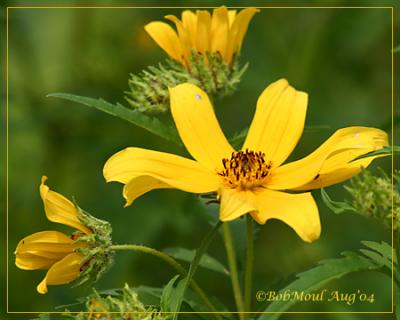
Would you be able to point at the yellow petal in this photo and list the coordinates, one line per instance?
(183, 37)
(299, 211)
(59, 209)
(231, 17)
(189, 21)
(51, 245)
(178, 172)
(203, 31)
(62, 272)
(239, 29)
(28, 261)
(198, 126)
(296, 174)
(166, 38)
(139, 186)
(278, 122)
(220, 31)
(235, 203)
(339, 168)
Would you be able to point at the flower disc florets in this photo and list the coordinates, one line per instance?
(245, 169)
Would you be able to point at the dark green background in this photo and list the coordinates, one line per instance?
(341, 57)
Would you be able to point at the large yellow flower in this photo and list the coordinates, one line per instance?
(53, 250)
(222, 32)
(250, 180)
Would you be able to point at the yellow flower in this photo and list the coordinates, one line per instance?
(250, 180)
(222, 32)
(53, 250)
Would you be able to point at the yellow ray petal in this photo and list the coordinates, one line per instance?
(178, 172)
(183, 36)
(238, 30)
(203, 31)
(189, 21)
(59, 209)
(62, 272)
(139, 186)
(231, 17)
(198, 126)
(299, 211)
(28, 261)
(166, 38)
(235, 203)
(301, 172)
(278, 122)
(220, 31)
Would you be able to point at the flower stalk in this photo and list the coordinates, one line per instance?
(248, 276)
(173, 263)
(230, 252)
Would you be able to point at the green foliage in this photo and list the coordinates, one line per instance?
(139, 119)
(372, 197)
(148, 91)
(327, 270)
(335, 206)
(206, 260)
(174, 295)
(389, 150)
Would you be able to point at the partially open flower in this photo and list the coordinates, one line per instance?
(67, 258)
(220, 33)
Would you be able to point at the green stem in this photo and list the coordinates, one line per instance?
(396, 245)
(249, 264)
(173, 263)
(230, 252)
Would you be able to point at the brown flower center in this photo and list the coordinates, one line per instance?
(245, 169)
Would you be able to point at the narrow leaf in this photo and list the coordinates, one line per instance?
(139, 119)
(317, 277)
(381, 152)
(335, 206)
(206, 261)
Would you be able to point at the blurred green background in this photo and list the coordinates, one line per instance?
(341, 57)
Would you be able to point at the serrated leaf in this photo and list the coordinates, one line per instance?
(139, 119)
(381, 152)
(168, 300)
(335, 206)
(206, 261)
(318, 276)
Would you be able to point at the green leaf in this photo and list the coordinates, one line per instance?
(168, 301)
(139, 119)
(318, 276)
(335, 206)
(384, 151)
(206, 261)
(397, 49)
(176, 295)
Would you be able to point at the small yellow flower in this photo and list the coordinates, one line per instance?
(54, 250)
(250, 180)
(222, 32)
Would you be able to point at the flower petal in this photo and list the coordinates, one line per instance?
(176, 171)
(220, 31)
(203, 31)
(139, 186)
(297, 174)
(231, 17)
(28, 261)
(238, 30)
(189, 21)
(52, 245)
(278, 122)
(62, 272)
(235, 203)
(299, 211)
(166, 37)
(183, 36)
(59, 209)
(198, 126)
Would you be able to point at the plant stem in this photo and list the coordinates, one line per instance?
(173, 263)
(248, 276)
(230, 252)
(396, 245)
